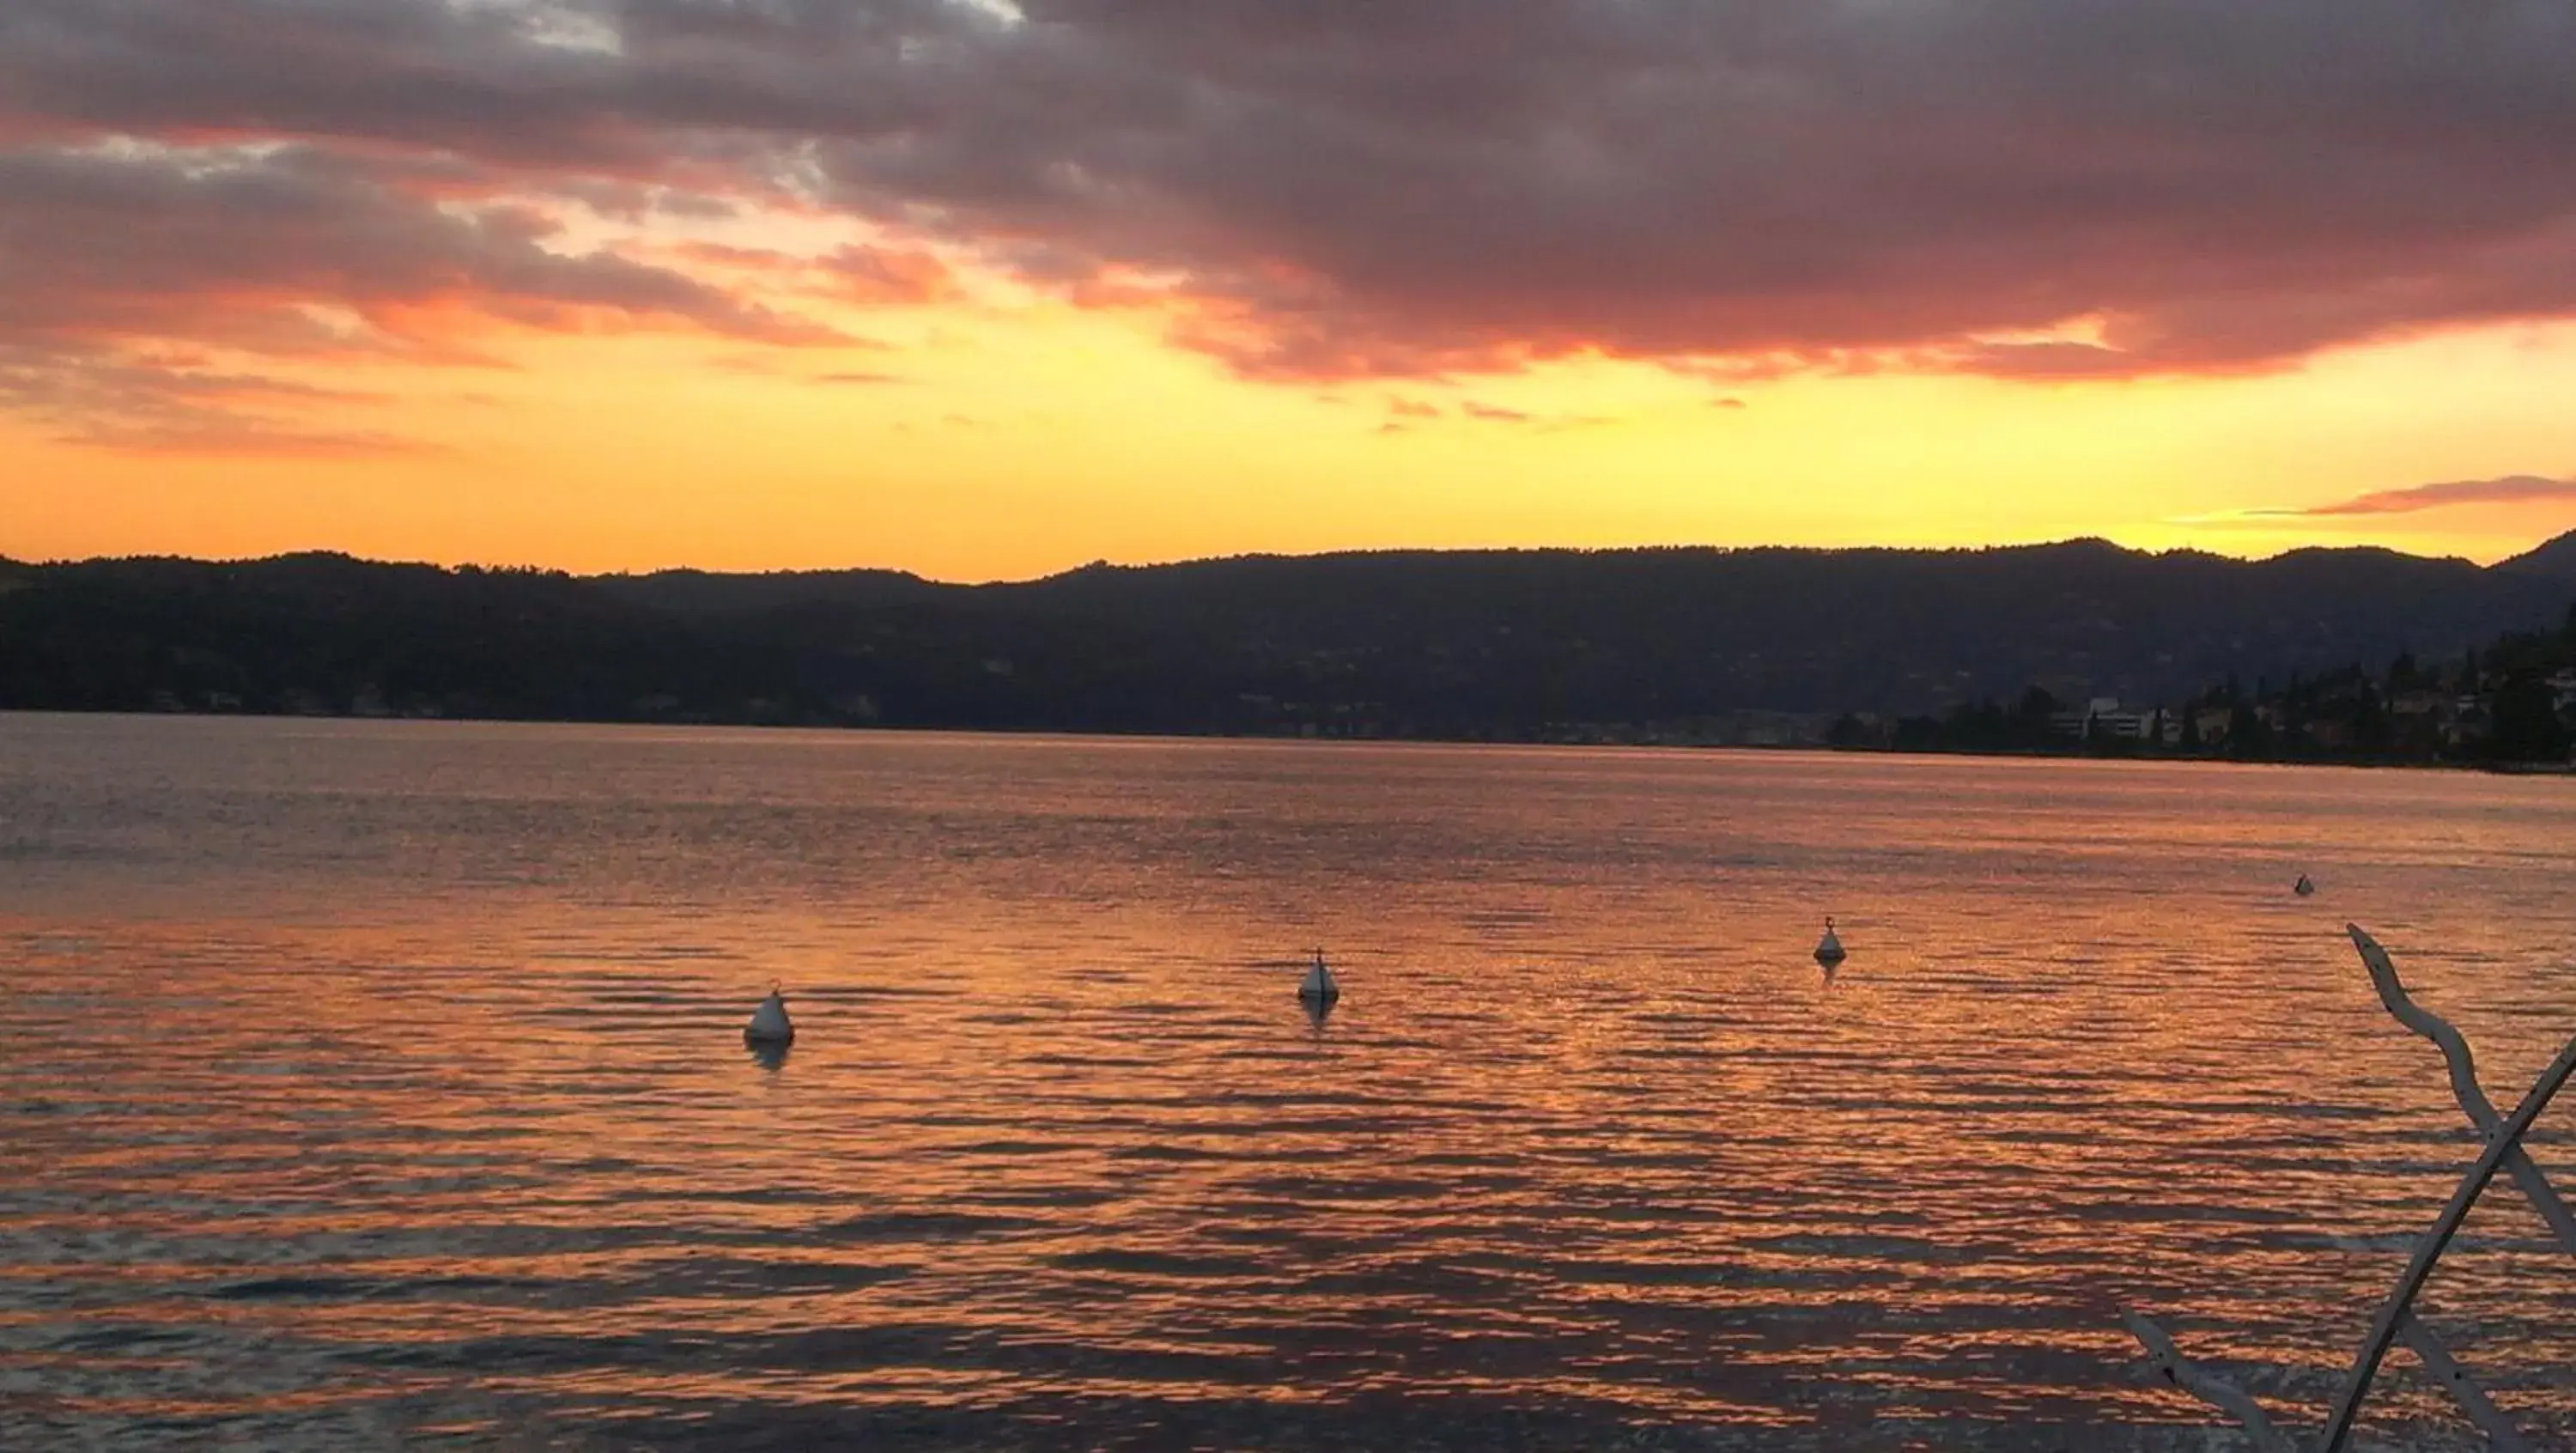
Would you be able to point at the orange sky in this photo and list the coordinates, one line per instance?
(608, 341)
(1004, 444)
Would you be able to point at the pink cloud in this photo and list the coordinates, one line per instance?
(2508, 490)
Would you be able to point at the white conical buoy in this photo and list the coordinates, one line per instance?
(2303, 887)
(769, 1022)
(1319, 987)
(1829, 951)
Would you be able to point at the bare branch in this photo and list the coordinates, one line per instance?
(2526, 1175)
(2428, 1349)
(2429, 1247)
(2208, 1387)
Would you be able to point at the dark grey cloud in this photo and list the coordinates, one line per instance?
(126, 267)
(2510, 489)
(1444, 187)
(229, 246)
(1428, 188)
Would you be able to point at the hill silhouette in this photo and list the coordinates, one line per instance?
(1419, 643)
(2552, 559)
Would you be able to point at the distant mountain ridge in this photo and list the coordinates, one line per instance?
(2552, 559)
(710, 593)
(1414, 643)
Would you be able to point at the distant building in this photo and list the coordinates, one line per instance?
(2103, 720)
(1749, 728)
(2124, 726)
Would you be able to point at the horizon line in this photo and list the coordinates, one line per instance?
(458, 566)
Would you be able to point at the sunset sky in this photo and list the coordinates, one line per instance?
(983, 289)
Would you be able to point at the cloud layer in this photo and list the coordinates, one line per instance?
(2512, 489)
(1323, 190)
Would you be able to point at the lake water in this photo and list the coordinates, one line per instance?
(380, 1084)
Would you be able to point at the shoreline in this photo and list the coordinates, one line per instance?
(1591, 742)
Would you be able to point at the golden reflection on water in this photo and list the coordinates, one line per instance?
(379, 1084)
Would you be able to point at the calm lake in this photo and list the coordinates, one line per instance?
(382, 1084)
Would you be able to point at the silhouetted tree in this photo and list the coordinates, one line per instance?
(2526, 727)
(2037, 706)
(2371, 732)
(2249, 737)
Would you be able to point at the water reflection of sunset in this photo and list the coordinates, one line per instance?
(395, 1081)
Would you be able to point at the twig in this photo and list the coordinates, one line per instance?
(2210, 1388)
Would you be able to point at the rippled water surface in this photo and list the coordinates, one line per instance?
(382, 1085)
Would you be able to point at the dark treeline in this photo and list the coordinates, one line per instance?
(2512, 702)
(1683, 645)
